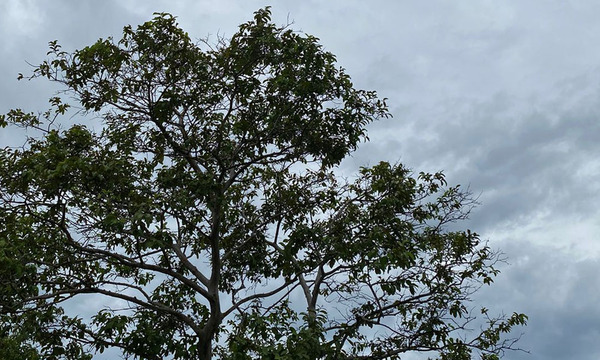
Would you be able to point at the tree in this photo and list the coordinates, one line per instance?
(207, 205)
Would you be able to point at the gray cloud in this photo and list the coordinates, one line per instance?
(503, 96)
(559, 292)
(525, 156)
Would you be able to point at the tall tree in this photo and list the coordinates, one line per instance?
(208, 212)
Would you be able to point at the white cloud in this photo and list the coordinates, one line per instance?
(19, 18)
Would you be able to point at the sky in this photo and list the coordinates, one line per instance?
(503, 96)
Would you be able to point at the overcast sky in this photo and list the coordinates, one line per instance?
(504, 96)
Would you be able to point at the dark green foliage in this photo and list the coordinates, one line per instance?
(208, 206)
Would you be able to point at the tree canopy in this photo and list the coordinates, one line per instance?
(207, 215)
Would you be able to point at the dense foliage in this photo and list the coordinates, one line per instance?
(207, 216)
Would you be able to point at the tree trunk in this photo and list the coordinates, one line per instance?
(205, 347)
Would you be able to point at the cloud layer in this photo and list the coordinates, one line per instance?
(503, 96)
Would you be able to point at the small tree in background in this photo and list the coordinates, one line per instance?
(208, 206)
